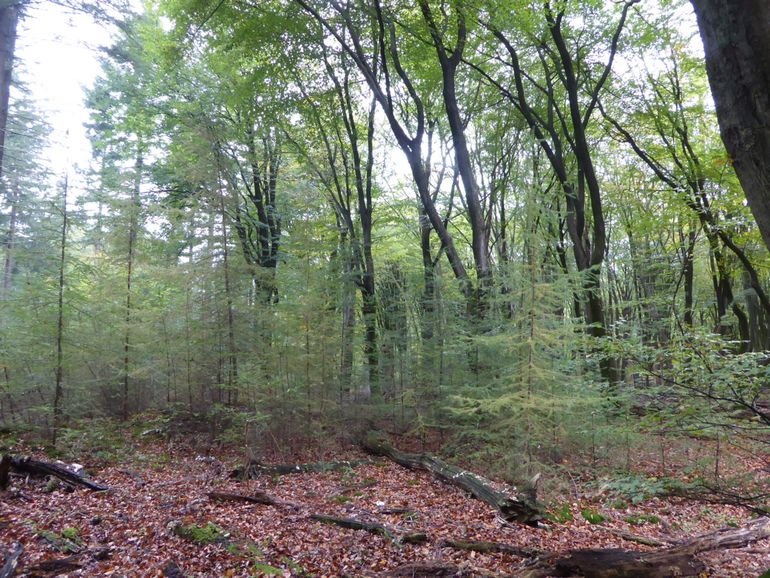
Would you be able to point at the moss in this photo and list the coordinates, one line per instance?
(592, 516)
(201, 535)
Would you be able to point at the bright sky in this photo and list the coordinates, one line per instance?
(58, 53)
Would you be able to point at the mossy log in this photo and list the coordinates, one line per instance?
(490, 547)
(437, 570)
(256, 469)
(257, 497)
(26, 465)
(391, 534)
(513, 508)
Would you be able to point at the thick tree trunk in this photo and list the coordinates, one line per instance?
(736, 39)
(520, 508)
(9, 17)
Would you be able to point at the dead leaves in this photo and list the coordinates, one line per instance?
(130, 523)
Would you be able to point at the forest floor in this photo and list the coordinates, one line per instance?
(127, 531)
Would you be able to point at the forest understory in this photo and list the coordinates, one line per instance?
(170, 510)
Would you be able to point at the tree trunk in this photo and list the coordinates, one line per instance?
(9, 17)
(736, 40)
(133, 225)
(10, 243)
(57, 398)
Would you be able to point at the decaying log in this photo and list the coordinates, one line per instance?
(725, 538)
(5, 470)
(618, 563)
(374, 528)
(9, 568)
(678, 560)
(437, 570)
(26, 465)
(256, 498)
(513, 508)
(56, 565)
(490, 547)
(256, 469)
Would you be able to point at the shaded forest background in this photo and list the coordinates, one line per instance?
(508, 228)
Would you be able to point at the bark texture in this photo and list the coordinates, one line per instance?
(736, 40)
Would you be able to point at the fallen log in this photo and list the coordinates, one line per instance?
(257, 498)
(437, 570)
(678, 560)
(374, 528)
(57, 566)
(616, 563)
(27, 465)
(9, 568)
(256, 469)
(522, 508)
(5, 469)
(490, 547)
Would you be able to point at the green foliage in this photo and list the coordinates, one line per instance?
(561, 514)
(266, 570)
(637, 489)
(592, 516)
(201, 535)
(67, 541)
(642, 519)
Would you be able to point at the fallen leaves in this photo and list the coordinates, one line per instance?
(129, 524)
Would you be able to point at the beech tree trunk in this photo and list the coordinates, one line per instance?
(736, 40)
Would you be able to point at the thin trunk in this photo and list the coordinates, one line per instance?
(132, 235)
(58, 390)
(10, 243)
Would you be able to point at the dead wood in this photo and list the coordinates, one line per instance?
(9, 568)
(490, 547)
(618, 563)
(56, 565)
(26, 465)
(5, 470)
(725, 538)
(522, 508)
(437, 570)
(256, 498)
(255, 469)
(678, 560)
(391, 534)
